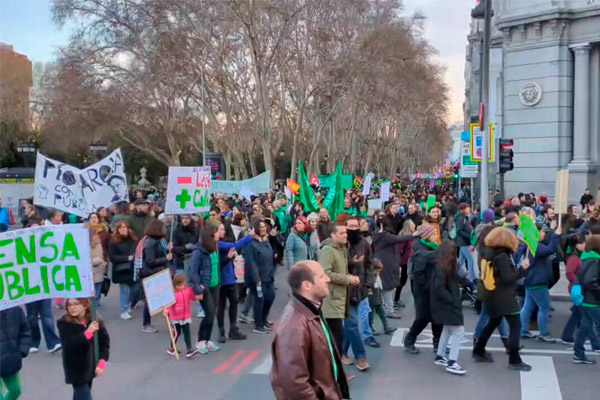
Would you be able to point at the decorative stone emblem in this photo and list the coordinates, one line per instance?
(530, 93)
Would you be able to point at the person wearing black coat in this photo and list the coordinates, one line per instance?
(421, 265)
(76, 330)
(446, 306)
(385, 249)
(15, 341)
(501, 301)
(121, 251)
(185, 239)
(155, 259)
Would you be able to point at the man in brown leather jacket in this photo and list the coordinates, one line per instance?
(306, 363)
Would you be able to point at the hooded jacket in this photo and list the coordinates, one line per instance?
(589, 279)
(540, 269)
(386, 250)
(227, 269)
(334, 260)
(15, 340)
(260, 266)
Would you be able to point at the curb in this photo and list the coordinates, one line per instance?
(560, 297)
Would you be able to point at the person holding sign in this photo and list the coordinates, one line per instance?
(77, 330)
(180, 314)
(155, 259)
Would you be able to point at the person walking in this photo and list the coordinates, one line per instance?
(185, 239)
(385, 248)
(297, 243)
(446, 307)
(422, 265)
(121, 251)
(76, 330)
(155, 259)
(499, 295)
(98, 265)
(15, 341)
(180, 315)
(405, 251)
(204, 277)
(306, 363)
(260, 275)
(463, 240)
(42, 310)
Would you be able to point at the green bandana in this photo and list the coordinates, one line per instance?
(431, 245)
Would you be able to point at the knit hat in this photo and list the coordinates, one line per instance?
(488, 216)
(312, 217)
(426, 231)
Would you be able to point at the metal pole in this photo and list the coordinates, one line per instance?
(203, 116)
(485, 70)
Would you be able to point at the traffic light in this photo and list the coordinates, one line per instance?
(506, 155)
(456, 171)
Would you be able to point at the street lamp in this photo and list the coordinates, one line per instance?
(99, 149)
(229, 38)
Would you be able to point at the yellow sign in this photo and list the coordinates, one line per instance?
(475, 143)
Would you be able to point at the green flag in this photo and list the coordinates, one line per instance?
(430, 202)
(529, 232)
(307, 194)
(334, 202)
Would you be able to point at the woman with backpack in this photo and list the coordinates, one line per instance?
(500, 275)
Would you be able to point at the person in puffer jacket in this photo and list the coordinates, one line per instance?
(536, 285)
(15, 341)
(589, 279)
(180, 314)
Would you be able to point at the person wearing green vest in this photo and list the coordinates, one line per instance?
(282, 216)
(589, 279)
(303, 335)
(349, 208)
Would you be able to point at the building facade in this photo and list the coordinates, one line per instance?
(544, 90)
(16, 79)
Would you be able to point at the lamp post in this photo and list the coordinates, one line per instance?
(98, 149)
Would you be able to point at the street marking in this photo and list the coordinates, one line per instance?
(427, 343)
(224, 366)
(264, 367)
(541, 382)
(249, 358)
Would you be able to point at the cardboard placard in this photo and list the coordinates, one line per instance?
(188, 190)
(158, 289)
(561, 194)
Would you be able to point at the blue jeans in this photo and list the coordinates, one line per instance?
(98, 293)
(352, 335)
(541, 298)
(483, 320)
(82, 391)
(465, 256)
(364, 309)
(568, 334)
(125, 292)
(262, 305)
(589, 317)
(43, 310)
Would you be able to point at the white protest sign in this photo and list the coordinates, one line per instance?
(58, 185)
(247, 193)
(367, 185)
(80, 192)
(385, 191)
(374, 204)
(158, 289)
(188, 190)
(105, 182)
(45, 262)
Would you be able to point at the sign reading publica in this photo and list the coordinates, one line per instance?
(44, 262)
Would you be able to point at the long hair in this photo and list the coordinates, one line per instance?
(88, 310)
(207, 238)
(406, 227)
(446, 259)
(155, 229)
(117, 238)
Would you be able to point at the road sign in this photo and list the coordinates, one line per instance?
(468, 168)
(476, 140)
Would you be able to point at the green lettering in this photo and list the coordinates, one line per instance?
(69, 248)
(44, 275)
(72, 278)
(1, 286)
(13, 286)
(23, 253)
(43, 245)
(28, 290)
(3, 243)
(57, 285)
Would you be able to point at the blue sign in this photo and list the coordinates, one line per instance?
(465, 136)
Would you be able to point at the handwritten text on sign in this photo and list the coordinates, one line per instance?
(44, 262)
(188, 190)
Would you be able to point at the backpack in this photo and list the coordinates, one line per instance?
(487, 275)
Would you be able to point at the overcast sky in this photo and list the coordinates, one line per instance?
(446, 28)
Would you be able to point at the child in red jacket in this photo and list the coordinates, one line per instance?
(180, 314)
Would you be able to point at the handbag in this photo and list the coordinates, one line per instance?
(105, 286)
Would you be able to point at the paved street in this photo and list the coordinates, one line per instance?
(139, 367)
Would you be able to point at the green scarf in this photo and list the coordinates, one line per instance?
(214, 269)
(590, 255)
(431, 245)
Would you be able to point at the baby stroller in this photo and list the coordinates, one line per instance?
(469, 293)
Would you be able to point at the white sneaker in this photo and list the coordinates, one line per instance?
(455, 369)
(33, 350)
(200, 314)
(126, 316)
(211, 346)
(56, 348)
(149, 329)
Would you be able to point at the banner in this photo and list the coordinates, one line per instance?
(188, 190)
(45, 262)
(259, 184)
(76, 191)
(367, 185)
(328, 181)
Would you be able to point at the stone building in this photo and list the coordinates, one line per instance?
(544, 90)
(16, 79)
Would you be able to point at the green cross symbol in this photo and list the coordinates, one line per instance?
(183, 198)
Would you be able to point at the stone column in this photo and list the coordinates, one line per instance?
(581, 105)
